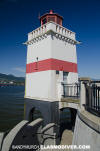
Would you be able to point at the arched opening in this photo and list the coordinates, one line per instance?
(34, 114)
(73, 117)
(67, 124)
(65, 120)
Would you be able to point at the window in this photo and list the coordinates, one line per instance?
(51, 19)
(58, 20)
(57, 72)
(44, 21)
(65, 74)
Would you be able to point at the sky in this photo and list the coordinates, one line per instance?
(19, 17)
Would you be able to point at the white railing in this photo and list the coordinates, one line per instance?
(51, 26)
(71, 90)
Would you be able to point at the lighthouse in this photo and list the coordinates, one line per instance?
(51, 63)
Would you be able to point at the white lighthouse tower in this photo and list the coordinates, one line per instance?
(51, 62)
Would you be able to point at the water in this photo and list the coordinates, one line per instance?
(11, 106)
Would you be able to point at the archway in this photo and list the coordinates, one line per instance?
(34, 114)
(67, 123)
(73, 117)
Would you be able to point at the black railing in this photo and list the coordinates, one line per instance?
(71, 90)
(93, 99)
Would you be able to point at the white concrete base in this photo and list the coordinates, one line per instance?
(84, 134)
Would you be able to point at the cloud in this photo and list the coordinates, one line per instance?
(20, 69)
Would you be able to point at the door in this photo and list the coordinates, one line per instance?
(65, 88)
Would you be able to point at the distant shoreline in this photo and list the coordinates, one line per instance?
(12, 85)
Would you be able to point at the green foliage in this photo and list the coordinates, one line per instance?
(8, 78)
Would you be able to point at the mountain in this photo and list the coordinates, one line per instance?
(5, 77)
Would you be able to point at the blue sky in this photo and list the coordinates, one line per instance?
(18, 17)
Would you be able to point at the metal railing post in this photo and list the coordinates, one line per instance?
(82, 95)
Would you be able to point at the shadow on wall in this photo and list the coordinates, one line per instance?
(26, 133)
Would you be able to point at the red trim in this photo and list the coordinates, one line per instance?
(51, 64)
(54, 14)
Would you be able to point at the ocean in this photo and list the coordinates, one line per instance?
(11, 106)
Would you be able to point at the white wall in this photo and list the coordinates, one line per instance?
(38, 84)
(67, 52)
(85, 135)
(40, 49)
(72, 77)
(63, 50)
(43, 85)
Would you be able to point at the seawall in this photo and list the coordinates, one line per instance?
(87, 131)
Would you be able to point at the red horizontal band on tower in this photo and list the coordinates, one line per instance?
(51, 64)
